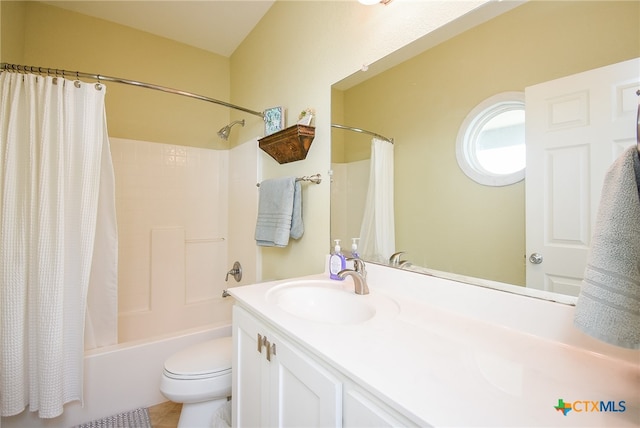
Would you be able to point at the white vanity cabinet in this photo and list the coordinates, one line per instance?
(362, 410)
(275, 384)
(425, 350)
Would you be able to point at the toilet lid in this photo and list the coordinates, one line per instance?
(210, 358)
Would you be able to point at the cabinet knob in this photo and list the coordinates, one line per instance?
(263, 342)
(271, 350)
(260, 343)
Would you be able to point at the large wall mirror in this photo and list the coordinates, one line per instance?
(444, 220)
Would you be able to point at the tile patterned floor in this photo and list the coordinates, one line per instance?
(165, 415)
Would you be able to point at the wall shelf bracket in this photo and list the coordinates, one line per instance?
(289, 145)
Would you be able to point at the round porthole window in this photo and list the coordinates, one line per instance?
(490, 147)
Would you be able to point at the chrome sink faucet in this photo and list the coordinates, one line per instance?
(394, 260)
(359, 274)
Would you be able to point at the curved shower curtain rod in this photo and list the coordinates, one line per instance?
(102, 78)
(362, 131)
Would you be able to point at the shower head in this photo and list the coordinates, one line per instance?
(224, 132)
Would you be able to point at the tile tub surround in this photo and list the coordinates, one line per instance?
(462, 355)
(172, 212)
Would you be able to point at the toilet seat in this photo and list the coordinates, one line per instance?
(201, 361)
(199, 377)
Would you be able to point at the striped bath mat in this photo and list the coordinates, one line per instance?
(138, 418)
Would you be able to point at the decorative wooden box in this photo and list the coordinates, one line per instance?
(290, 144)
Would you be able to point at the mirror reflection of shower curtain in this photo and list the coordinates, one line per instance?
(377, 233)
(54, 163)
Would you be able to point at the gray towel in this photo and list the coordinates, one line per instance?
(608, 307)
(279, 212)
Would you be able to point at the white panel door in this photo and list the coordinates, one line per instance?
(576, 127)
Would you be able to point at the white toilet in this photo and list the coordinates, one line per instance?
(200, 378)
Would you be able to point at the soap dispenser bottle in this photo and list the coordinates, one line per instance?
(337, 262)
(354, 248)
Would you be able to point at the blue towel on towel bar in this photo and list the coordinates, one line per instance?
(608, 307)
(279, 212)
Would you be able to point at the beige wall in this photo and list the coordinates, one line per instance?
(292, 58)
(12, 35)
(57, 38)
(445, 220)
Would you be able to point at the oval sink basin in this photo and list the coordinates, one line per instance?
(322, 301)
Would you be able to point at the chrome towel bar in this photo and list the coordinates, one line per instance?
(315, 179)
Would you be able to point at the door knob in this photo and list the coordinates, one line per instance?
(535, 258)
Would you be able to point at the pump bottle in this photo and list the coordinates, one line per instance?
(354, 248)
(337, 262)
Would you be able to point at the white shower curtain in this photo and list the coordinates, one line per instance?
(54, 156)
(377, 233)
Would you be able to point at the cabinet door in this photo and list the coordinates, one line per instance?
(303, 393)
(287, 389)
(364, 412)
(249, 372)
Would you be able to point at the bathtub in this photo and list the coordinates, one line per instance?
(120, 378)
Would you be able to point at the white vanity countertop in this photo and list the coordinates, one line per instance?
(449, 355)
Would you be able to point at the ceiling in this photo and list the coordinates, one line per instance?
(217, 26)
